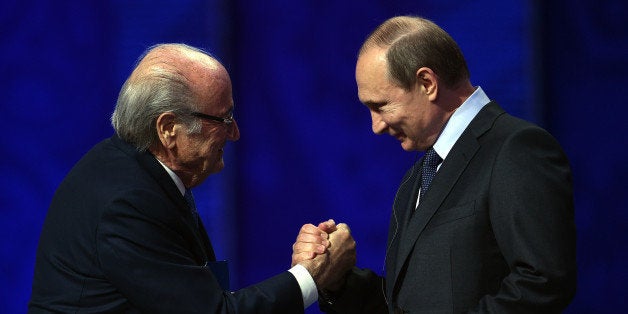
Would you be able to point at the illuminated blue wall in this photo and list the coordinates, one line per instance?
(307, 152)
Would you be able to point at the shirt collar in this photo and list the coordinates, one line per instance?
(174, 177)
(459, 121)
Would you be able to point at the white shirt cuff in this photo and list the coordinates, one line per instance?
(306, 283)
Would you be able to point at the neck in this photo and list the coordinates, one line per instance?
(166, 158)
(463, 91)
(162, 156)
(453, 98)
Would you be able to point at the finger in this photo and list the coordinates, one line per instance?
(300, 247)
(303, 256)
(312, 238)
(308, 237)
(309, 228)
(343, 226)
(328, 226)
(342, 238)
(313, 230)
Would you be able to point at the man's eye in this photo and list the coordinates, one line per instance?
(376, 107)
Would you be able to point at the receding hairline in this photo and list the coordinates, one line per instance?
(401, 26)
(178, 58)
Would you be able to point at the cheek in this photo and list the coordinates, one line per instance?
(212, 150)
(206, 144)
(397, 121)
(198, 153)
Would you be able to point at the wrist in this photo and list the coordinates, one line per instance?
(327, 297)
(330, 294)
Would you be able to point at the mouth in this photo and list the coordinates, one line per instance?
(222, 148)
(399, 136)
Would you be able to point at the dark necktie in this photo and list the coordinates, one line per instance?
(428, 169)
(189, 198)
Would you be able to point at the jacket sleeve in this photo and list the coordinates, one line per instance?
(363, 292)
(532, 215)
(144, 251)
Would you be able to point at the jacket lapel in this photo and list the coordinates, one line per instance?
(402, 209)
(453, 166)
(442, 184)
(202, 245)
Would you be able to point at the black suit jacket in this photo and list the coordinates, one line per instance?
(120, 238)
(495, 232)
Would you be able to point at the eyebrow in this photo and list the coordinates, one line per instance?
(374, 104)
(230, 110)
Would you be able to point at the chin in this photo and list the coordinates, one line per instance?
(217, 166)
(409, 147)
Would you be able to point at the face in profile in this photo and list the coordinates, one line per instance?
(407, 115)
(411, 115)
(200, 154)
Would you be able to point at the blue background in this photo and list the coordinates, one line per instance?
(307, 152)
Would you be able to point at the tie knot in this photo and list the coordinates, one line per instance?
(431, 158)
(428, 169)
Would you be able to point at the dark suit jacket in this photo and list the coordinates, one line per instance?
(494, 233)
(120, 238)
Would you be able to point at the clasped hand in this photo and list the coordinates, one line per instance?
(327, 251)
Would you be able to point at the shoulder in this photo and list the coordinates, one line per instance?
(499, 128)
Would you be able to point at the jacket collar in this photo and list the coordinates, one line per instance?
(152, 166)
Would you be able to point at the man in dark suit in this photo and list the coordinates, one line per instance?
(122, 234)
(484, 222)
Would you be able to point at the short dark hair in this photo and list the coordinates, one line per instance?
(415, 42)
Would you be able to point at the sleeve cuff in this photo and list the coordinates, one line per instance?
(306, 283)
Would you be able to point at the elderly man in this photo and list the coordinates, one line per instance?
(122, 234)
(484, 222)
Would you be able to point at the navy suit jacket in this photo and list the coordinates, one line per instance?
(120, 238)
(495, 232)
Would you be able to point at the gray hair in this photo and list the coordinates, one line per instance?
(144, 98)
(415, 42)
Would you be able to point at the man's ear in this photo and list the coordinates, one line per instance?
(166, 130)
(427, 82)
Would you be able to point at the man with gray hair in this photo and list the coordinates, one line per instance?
(122, 234)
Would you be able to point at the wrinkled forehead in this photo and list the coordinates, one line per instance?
(184, 61)
(212, 89)
(207, 78)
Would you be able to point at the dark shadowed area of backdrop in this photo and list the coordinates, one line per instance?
(307, 152)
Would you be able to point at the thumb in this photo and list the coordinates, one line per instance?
(328, 226)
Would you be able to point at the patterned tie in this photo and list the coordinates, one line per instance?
(428, 169)
(189, 198)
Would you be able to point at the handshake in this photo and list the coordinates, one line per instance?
(327, 251)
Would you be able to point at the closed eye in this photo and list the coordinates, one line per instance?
(375, 106)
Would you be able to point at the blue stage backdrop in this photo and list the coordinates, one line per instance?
(307, 152)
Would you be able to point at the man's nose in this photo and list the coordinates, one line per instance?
(234, 132)
(378, 125)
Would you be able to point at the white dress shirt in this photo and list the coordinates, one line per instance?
(457, 123)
